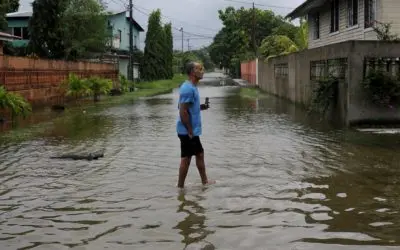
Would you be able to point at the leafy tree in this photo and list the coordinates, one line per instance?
(169, 50)
(84, 28)
(277, 45)
(301, 37)
(46, 28)
(152, 67)
(67, 29)
(13, 5)
(180, 59)
(3, 12)
(204, 55)
(234, 42)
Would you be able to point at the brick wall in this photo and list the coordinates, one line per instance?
(248, 71)
(38, 80)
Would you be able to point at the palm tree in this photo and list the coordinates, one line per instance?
(76, 87)
(98, 86)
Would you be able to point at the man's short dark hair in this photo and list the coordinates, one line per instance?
(190, 67)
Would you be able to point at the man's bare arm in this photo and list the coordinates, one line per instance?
(185, 116)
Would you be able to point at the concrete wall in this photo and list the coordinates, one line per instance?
(38, 80)
(386, 10)
(294, 77)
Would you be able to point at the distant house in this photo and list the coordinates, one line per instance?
(119, 29)
(5, 37)
(18, 26)
(333, 21)
(118, 24)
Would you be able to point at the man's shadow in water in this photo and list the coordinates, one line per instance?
(192, 228)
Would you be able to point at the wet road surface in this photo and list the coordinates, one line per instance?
(284, 181)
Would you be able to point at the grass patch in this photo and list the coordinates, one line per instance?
(162, 84)
(251, 93)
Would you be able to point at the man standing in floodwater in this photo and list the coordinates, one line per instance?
(188, 125)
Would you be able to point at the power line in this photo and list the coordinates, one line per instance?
(259, 4)
(172, 18)
(178, 29)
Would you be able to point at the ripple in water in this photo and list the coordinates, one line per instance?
(281, 183)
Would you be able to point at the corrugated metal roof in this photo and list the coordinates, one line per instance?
(20, 14)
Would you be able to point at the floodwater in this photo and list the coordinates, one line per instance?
(284, 181)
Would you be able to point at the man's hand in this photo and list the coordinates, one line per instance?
(190, 133)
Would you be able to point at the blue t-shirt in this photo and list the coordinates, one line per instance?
(188, 93)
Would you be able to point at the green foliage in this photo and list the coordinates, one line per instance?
(13, 5)
(67, 29)
(154, 65)
(325, 95)
(277, 45)
(301, 37)
(45, 28)
(98, 86)
(7, 6)
(83, 87)
(169, 46)
(203, 56)
(382, 88)
(180, 59)
(233, 42)
(167, 84)
(76, 87)
(84, 25)
(126, 85)
(14, 103)
(383, 32)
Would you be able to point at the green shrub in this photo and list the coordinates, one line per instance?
(14, 103)
(382, 88)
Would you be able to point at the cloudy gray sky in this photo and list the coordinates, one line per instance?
(198, 17)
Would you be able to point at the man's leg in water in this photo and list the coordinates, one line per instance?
(183, 170)
(201, 167)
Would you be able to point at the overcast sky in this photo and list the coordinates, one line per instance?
(199, 17)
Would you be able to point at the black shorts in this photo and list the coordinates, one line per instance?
(190, 147)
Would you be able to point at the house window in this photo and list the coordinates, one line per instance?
(17, 31)
(316, 26)
(370, 11)
(120, 35)
(352, 12)
(334, 16)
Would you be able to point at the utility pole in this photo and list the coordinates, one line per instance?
(181, 30)
(182, 66)
(254, 31)
(130, 67)
(188, 44)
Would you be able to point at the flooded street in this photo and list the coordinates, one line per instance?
(284, 181)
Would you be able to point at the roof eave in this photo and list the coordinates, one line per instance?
(137, 26)
(305, 8)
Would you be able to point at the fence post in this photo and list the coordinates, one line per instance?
(257, 71)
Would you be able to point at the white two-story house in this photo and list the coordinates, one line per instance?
(333, 21)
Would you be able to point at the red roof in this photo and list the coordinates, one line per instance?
(7, 37)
